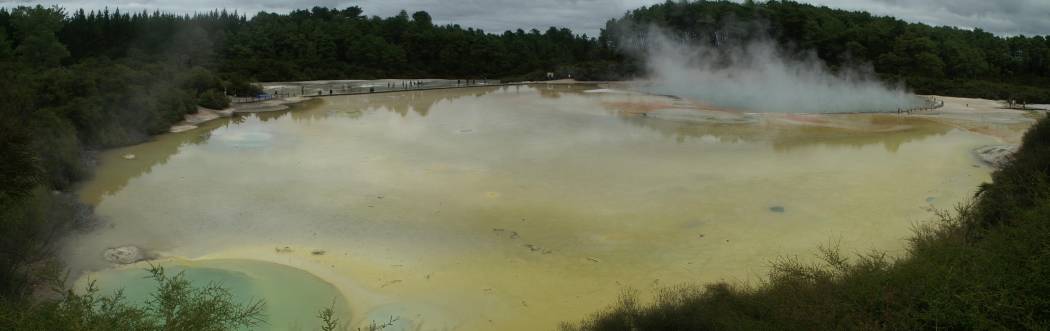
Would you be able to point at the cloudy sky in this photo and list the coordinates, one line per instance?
(1007, 17)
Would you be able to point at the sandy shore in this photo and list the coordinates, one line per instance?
(203, 115)
(987, 117)
(191, 121)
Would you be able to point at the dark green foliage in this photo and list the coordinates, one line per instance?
(24, 256)
(36, 27)
(984, 267)
(20, 167)
(200, 80)
(5, 47)
(239, 86)
(323, 43)
(979, 89)
(53, 108)
(213, 99)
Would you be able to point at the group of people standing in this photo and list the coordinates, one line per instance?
(406, 84)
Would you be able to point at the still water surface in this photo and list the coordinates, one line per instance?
(515, 208)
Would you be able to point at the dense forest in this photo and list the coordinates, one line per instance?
(321, 43)
(324, 43)
(76, 81)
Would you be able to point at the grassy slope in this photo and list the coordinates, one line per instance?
(985, 266)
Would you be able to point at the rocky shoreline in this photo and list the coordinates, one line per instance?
(995, 155)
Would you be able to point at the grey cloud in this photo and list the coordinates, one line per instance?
(1010, 17)
(183, 6)
(582, 16)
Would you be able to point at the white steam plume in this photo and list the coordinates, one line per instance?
(758, 76)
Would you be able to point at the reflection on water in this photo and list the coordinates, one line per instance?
(869, 130)
(517, 207)
(118, 170)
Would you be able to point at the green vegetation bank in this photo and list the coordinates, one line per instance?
(983, 267)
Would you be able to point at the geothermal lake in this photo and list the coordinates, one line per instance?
(511, 208)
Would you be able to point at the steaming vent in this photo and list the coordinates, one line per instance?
(738, 70)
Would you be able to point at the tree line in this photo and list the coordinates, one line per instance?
(323, 43)
(57, 104)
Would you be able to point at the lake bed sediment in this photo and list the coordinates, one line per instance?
(516, 207)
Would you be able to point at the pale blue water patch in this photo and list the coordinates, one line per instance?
(252, 132)
(247, 139)
(292, 297)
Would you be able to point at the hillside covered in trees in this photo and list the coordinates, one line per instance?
(322, 43)
(325, 43)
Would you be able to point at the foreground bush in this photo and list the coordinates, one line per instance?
(175, 305)
(985, 266)
(213, 99)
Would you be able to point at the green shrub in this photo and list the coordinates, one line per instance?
(176, 305)
(213, 99)
(201, 80)
(241, 87)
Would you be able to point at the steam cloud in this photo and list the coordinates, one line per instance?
(759, 76)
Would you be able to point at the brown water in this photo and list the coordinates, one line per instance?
(514, 208)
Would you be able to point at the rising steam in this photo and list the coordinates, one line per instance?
(759, 76)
